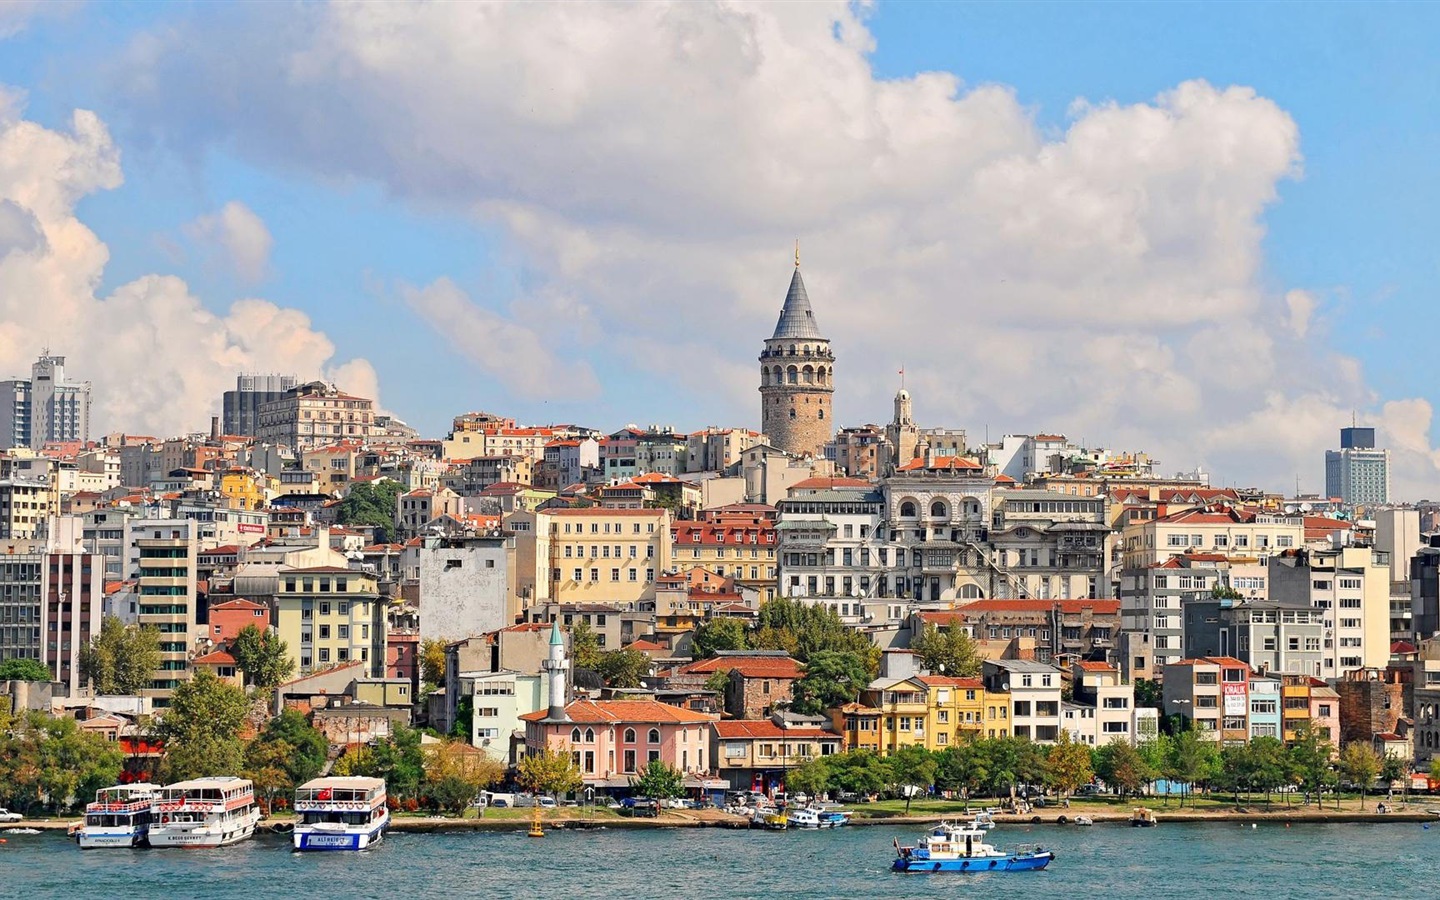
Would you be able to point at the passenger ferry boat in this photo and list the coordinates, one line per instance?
(119, 817)
(962, 848)
(340, 814)
(204, 812)
(812, 817)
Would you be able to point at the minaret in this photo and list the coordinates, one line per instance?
(556, 667)
(797, 377)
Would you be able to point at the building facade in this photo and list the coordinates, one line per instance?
(313, 415)
(331, 616)
(240, 408)
(1359, 472)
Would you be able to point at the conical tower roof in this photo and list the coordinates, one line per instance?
(797, 319)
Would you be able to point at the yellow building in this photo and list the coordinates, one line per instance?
(242, 489)
(859, 725)
(955, 710)
(904, 712)
(329, 616)
(739, 547)
(606, 555)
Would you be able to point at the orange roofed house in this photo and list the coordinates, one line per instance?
(758, 679)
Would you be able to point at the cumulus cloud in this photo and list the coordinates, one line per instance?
(507, 350)
(158, 359)
(239, 235)
(652, 164)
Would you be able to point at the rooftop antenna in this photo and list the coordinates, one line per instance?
(797, 253)
(902, 376)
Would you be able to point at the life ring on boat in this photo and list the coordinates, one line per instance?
(165, 820)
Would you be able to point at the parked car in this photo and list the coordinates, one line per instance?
(546, 803)
(7, 816)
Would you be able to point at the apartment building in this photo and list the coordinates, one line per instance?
(606, 555)
(330, 616)
(163, 557)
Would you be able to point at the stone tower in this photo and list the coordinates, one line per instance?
(797, 378)
(902, 433)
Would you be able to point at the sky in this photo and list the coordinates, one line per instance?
(1202, 231)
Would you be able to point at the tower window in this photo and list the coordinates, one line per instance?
(822, 413)
(792, 413)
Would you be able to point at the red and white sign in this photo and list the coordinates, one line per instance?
(1236, 699)
(249, 528)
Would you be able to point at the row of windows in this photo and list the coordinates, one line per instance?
(619, 528)
(631, 575)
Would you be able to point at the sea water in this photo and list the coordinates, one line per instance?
(1174, 861)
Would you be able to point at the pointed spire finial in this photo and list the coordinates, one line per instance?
(797, 253)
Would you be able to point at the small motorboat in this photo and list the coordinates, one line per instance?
(962, 848)
(770, 818)
(984, 820)
(1143, 818)
(1084, 820)
(816, 817)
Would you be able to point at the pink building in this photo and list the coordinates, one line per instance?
(1325, 710)
(228, 619)
(612, 740)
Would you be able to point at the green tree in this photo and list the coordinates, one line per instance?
(121, 658)
(859, 772)
(1122, 767)
(964, 768)
(262, 656)
(948, 650)
(371, 503)
(201, 728)
(1067, 765)
(432, 662)
(913, 768)
(456, 773)
(464, 718)
(398, 759)
(624, 668)
(812, 776)
(658, 781)
(1225, 592)
(266, 764)
(719, 682)
(1196, 760)
(1269, 764)
(1310, 755)
(48, 761)
(832, 678)
(584, 646)
(1147, 693)
(308, 747)
(720, 633)
(24, 670)
(1393, 769)
(1360, 765)
(550, 771)
(802, 629)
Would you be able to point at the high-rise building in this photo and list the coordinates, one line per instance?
(163, 560)
(315, 415)
(45, 407)
(797, 377)
(1359, 472)
(241, 407)
(49, 609)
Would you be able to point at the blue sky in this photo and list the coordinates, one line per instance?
(1355, 230)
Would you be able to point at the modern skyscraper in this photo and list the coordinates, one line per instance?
(44, 408)
(797, 377)
(241, 407)
(1359, 472)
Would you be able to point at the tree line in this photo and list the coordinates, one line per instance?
(1001, 767)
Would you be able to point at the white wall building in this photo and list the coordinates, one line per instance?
(466, 586)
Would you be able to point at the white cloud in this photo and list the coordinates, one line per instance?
(511, 353)
(158, 359)
(239, 234)
(648, 166)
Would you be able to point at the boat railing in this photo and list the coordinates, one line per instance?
(111, 807)
(337, 805)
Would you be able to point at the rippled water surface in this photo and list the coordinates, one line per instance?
(1108, 861)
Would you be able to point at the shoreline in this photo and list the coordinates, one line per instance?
(434, 824)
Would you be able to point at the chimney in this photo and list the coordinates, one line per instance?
(215, 429)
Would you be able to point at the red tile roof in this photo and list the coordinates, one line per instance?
(748, 666)
(971, 684)
(645, 646)
(215, 658)
(609, 712)
(830, 484)
(1096, 666)
(740, 729)
(237, 603)
(940, 462)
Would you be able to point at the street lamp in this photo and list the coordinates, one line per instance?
(1179, 702)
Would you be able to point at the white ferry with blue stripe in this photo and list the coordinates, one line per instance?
(962, 848)
(119, 817)
(204, 812)
(340, 814)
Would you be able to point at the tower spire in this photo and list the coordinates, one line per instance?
(797, 253)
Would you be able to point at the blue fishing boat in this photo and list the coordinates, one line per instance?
(962, 848)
